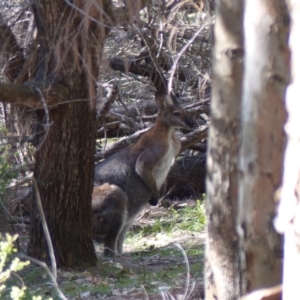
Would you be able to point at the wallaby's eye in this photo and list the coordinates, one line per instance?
(176, 114)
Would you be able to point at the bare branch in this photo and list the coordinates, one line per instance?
(186, 141)
(124, 142)
(19, 94)
(10, 48)
(45, 267)
(24, 94)
(194, 137)
(182, 51)
(113, 93)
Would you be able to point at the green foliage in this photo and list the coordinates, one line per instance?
(6, 171)
(188, 218)
(9, 266)
(12, 285)
(192, 218)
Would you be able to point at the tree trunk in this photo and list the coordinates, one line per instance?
(64, 172)
(222, 158)
(263, 142)
(70, 48)
(288, 218)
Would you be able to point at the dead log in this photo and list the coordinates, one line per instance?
(125, 120)
(187, 141)
(187, 177)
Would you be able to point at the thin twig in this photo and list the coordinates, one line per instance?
(145, 293)
(45, 228)
(150, 53)
(187, 292)
(19, 278)
(173, 69)
(45, 267)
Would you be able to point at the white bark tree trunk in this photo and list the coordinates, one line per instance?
(222, 157)
(263, 142)
(288, 219)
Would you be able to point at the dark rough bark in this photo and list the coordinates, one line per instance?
(64, 166)
(64, 172)
(222, 282)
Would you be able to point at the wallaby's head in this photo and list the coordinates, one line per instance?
(171, 113)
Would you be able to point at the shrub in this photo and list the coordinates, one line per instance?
(9, 265)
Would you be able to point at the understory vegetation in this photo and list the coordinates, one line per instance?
(170, 43)
(163, 254)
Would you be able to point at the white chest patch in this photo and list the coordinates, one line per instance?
(162, 169)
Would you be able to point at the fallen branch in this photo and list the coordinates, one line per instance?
(24, 94)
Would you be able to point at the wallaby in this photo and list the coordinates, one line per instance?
(110, 205)
(135, 176)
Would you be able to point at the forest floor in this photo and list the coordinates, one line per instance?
(163, 259)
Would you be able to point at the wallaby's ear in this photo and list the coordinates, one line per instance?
(163, 101)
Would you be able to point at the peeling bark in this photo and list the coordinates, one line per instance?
(288, 218)
(263, 142)
(221, 262)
